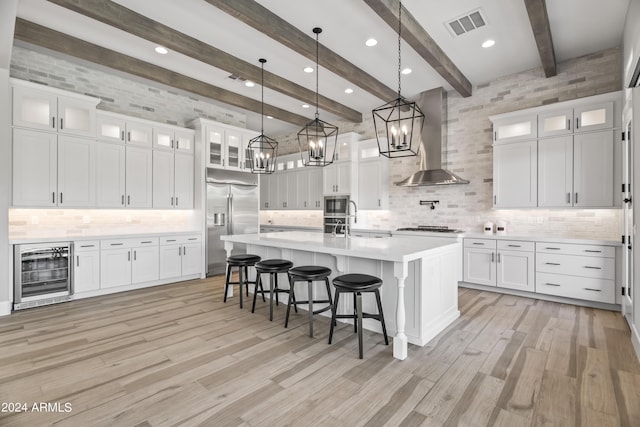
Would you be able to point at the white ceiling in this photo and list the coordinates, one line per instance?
(578, 27)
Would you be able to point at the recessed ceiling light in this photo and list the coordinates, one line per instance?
(406, 71)
(308, 70)
(161, 50)
(269, 117)
(305, 105)
(348, 90)
(488, 43)
(249, 83)
(371, 42)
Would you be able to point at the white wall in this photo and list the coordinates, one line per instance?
(8, 10)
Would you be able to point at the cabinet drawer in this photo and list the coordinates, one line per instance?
(480, 243)
(128, 243)
(576, 287)
(583, 266)
(572, 249)
(179, 240)
(86, 245)
(516, 245)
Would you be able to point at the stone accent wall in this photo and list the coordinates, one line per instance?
(119, 93)
(468, 152)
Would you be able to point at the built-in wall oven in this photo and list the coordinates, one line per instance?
(42, 274)
(336, 211)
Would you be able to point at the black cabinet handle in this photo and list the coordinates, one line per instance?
(552, 284)
(593, 268)
(551, 263)
(592, 251)
(591, 289)
(61, 123)
(514, 246)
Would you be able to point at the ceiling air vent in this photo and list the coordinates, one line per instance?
(236, 78)
(465, 23)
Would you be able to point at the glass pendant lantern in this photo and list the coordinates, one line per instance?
(398, 123)
(318, 139)
(262, 150)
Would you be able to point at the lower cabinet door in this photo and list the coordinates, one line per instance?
(145, 265)
(516, 270)
(191, 259)
(115, 268)
(480, 266)
(86, 272)
(170, 261)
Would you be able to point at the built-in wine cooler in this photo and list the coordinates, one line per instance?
(42, 274)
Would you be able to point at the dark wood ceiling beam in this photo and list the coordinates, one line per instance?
(262, 19)
(120, 17)
(38, 35)
(537, 11)
(418, 38)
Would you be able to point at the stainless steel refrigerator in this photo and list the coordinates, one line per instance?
(232, 208)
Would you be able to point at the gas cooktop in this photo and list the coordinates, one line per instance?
(431, 229)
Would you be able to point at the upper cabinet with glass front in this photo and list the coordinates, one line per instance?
(516, 128)
(582, 118)
(226, 146)
(173, 139)
(113, 127)
(39, 107)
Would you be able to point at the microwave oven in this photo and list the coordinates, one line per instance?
(336, 205)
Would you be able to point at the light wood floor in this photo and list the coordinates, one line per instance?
(176, 355)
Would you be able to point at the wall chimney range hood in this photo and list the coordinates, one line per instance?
(433, 104)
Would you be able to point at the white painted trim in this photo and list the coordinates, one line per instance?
(5, 308)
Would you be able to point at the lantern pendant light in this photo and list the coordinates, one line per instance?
(398, 123)
(318, 139)
(262, 150)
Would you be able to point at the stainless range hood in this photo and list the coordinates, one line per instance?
(433, 104)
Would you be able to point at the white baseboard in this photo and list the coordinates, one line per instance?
(5, 308)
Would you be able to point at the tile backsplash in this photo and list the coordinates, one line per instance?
(42, 223)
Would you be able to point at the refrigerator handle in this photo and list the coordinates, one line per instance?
(230, 214)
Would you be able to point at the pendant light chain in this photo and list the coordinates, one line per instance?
(262, 97)
(317, 71)
(399, 41)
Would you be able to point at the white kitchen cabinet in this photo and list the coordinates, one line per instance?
(593, 169)
(169, 138)
(224, 148)
(163, 179)
(35, 168)
(114, 127)
(180, 256)
(183, 181)
(373, 190)
(51, 170)
(265, 191)
(591, 117)
(479, 261)
(515, 175)
(129, 261)
(515, 264)
(337, 178)
(576, 170)
(86, 266)
(76, 172)
(503, 263)
(139, 173)
(287, 190)
(110, 175)
(172, 180)
(555, 172)
(585, 272)
(585, 117)
(515, 128)
(38, 107)
(309, 188)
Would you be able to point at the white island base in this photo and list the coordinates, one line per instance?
(420, 276)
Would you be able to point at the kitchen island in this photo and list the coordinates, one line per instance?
(420, 275)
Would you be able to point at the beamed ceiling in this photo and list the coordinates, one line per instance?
(209, 40)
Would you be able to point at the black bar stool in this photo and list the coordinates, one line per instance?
(309, 274)
(273, 267)
(357, 284)
(242, 262)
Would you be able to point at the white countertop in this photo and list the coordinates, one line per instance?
(396, 248)
(59, 238)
